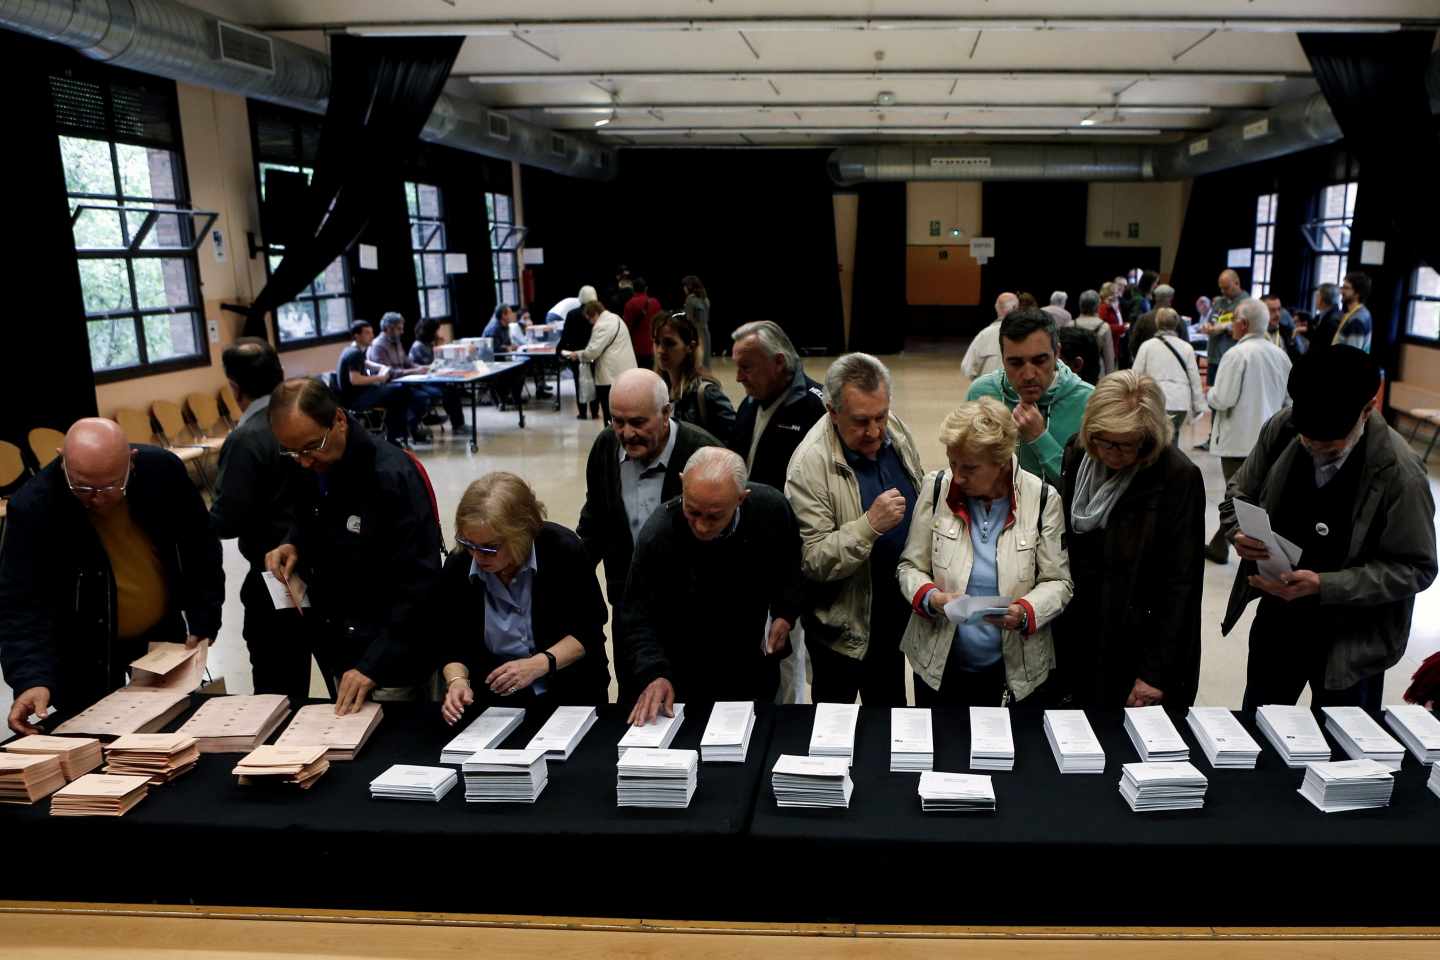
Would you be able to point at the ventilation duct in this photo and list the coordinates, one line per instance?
(169, 39)
(1288, 128)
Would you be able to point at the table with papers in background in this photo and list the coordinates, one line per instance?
(505, 379)
(1059, 849)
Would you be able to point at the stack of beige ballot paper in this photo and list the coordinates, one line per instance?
(160, 686)
(300, 765)
(342, 737)
(78, 755)
(236, 724)
(160, 756)
(25, 778)
(99, 795)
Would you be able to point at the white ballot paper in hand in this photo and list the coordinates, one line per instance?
(971, 610)
(283, 596)
(1255, 524)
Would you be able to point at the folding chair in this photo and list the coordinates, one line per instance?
(45, 444)
(229, 406)
(12, 475)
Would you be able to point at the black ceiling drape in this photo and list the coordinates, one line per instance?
(878, 300)
(381, 93)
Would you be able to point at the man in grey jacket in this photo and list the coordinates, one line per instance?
(1348, 491)
(852, 483)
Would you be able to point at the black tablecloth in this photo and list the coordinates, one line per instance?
(1066, 848)
(1059, 849)
(206, 839)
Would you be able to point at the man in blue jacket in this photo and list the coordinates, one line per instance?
(106, 550)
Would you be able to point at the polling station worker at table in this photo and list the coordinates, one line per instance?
(983, 528)
(519, 618)
(107, 549)
(365, 541)
(710, 566)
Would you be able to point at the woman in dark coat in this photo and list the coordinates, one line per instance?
(519, 618)
(1135, 523)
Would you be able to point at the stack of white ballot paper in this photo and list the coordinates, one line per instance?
(404, 782)
(1154, 736)
(992, 745)
(727, 734)
(658, 734)
(1226, 744)
(1342, 785)
(563, 732)
(663, 779)
(1073, 742)
(912, 740)
(834, 732)
(485, 732)
(1417, 728)
(1294, 733)
(1361, 737)
(505, 776)
(1434, 782)
(956, 793)
(811, 781)
(1152, 787)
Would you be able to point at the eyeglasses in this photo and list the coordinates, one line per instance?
(484, 549)
(83, 491)
(1110, 446)
(310, 449)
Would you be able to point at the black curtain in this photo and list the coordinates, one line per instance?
(1039, 231)
(381, 93)
(38, 251)
(756, 226)
(877, 301)
(1375, 85)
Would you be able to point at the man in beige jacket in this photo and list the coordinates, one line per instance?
(852, 484)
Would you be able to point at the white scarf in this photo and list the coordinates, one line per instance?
(1097, 489)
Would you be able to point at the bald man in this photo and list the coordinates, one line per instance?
(106, 550)
(711, 567)
(634, 467)
(983, 356)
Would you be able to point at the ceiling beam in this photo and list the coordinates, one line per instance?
(1139, 109)
(1107, 24)
(926, 73)
(800, 128)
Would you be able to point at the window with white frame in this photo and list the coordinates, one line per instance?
(322, 309)
(1423, 313)
(500, 215)
(1330, 235)
(428, 247)
(1264, 250)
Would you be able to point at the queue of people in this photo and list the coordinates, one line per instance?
(1057, 556)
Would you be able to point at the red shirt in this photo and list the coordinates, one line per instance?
(639, 309)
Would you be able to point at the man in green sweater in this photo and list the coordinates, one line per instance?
(1047, 399)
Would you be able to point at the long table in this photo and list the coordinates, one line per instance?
(498, 377)
(545, 360)
(1061, 849)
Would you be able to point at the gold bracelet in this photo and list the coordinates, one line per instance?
(463, 676)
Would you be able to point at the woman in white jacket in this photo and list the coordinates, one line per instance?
(1170, 362)
(983, 528)
(609, 350)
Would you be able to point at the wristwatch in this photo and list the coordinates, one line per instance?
(1024, 620)
(551, 657)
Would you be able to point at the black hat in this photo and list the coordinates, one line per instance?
(1329, 388)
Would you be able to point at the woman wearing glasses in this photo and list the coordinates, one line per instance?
(521, 616)
(1135, 513)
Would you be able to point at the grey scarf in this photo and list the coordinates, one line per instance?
(1097, 490)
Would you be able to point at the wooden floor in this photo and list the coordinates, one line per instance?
(110, 932)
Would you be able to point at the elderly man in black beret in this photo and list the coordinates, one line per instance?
(1348, 491)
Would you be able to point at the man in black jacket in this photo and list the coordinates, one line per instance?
(254, 502)
(781, 403)
(780, 407)
(574, 337)
(633, 468)
(710, 567)
(105, 551)
(365, 539)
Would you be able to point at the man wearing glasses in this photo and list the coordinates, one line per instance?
(106, 550)
(365, 541)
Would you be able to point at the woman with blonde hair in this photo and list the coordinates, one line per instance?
(1135, 516)
(983, 528)
(540, 635)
